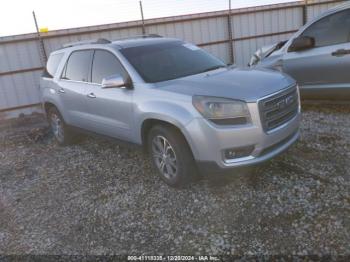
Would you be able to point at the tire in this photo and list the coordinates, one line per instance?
(176, 167)
(60, 130)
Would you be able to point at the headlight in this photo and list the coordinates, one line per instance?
(222, 111)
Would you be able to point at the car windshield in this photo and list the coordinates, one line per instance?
(166, 61)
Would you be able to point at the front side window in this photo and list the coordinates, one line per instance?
(78, 66)
(331, 30)
(166, 61)
(105, 64)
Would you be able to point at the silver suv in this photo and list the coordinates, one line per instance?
(186, 107)
(317, 56)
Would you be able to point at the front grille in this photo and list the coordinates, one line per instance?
(278, 109)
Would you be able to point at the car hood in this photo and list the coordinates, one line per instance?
(243, 84)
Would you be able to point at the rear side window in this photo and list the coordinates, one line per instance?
(105, 64)
(52, 65)
(331, 30)
(78, 66)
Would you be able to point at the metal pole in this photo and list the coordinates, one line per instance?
(230, 34)
(43, 57)
(143, 20)
(305, 12)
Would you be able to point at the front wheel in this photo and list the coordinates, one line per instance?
(171, 156)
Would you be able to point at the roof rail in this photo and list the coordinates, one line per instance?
(152, 35)
(106, 41)
(138, 36)
(96, 41)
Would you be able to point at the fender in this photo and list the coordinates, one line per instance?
(166, 111)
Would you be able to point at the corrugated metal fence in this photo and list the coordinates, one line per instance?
(20, 63)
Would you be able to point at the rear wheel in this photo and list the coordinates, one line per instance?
(59, 128)
(171, 156)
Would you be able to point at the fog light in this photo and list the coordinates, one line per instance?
(233, 153)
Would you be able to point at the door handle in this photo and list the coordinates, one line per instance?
(341, 52)
(61, 90)
(91, 95)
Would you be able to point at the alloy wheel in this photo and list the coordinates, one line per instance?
(164, 157)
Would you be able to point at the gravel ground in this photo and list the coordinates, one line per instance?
(100, 198)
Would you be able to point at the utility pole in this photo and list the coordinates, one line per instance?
(230, 35)
(143, 20)
(43, 56)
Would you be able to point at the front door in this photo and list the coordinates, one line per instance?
(323, 70)
(110, 109)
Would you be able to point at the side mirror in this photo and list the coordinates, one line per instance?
(302, 43)
(115, 81)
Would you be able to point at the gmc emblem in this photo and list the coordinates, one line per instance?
(285, 102)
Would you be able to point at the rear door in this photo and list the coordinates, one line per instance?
(72, 88)
(110, 109)
(324, 69)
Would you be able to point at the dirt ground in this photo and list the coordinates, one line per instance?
(99, 198)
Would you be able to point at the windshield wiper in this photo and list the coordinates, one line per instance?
(277, 47)
(212, 68)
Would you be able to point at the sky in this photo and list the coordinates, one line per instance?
(16, 15)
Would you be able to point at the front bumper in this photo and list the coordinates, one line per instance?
(208, 141)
